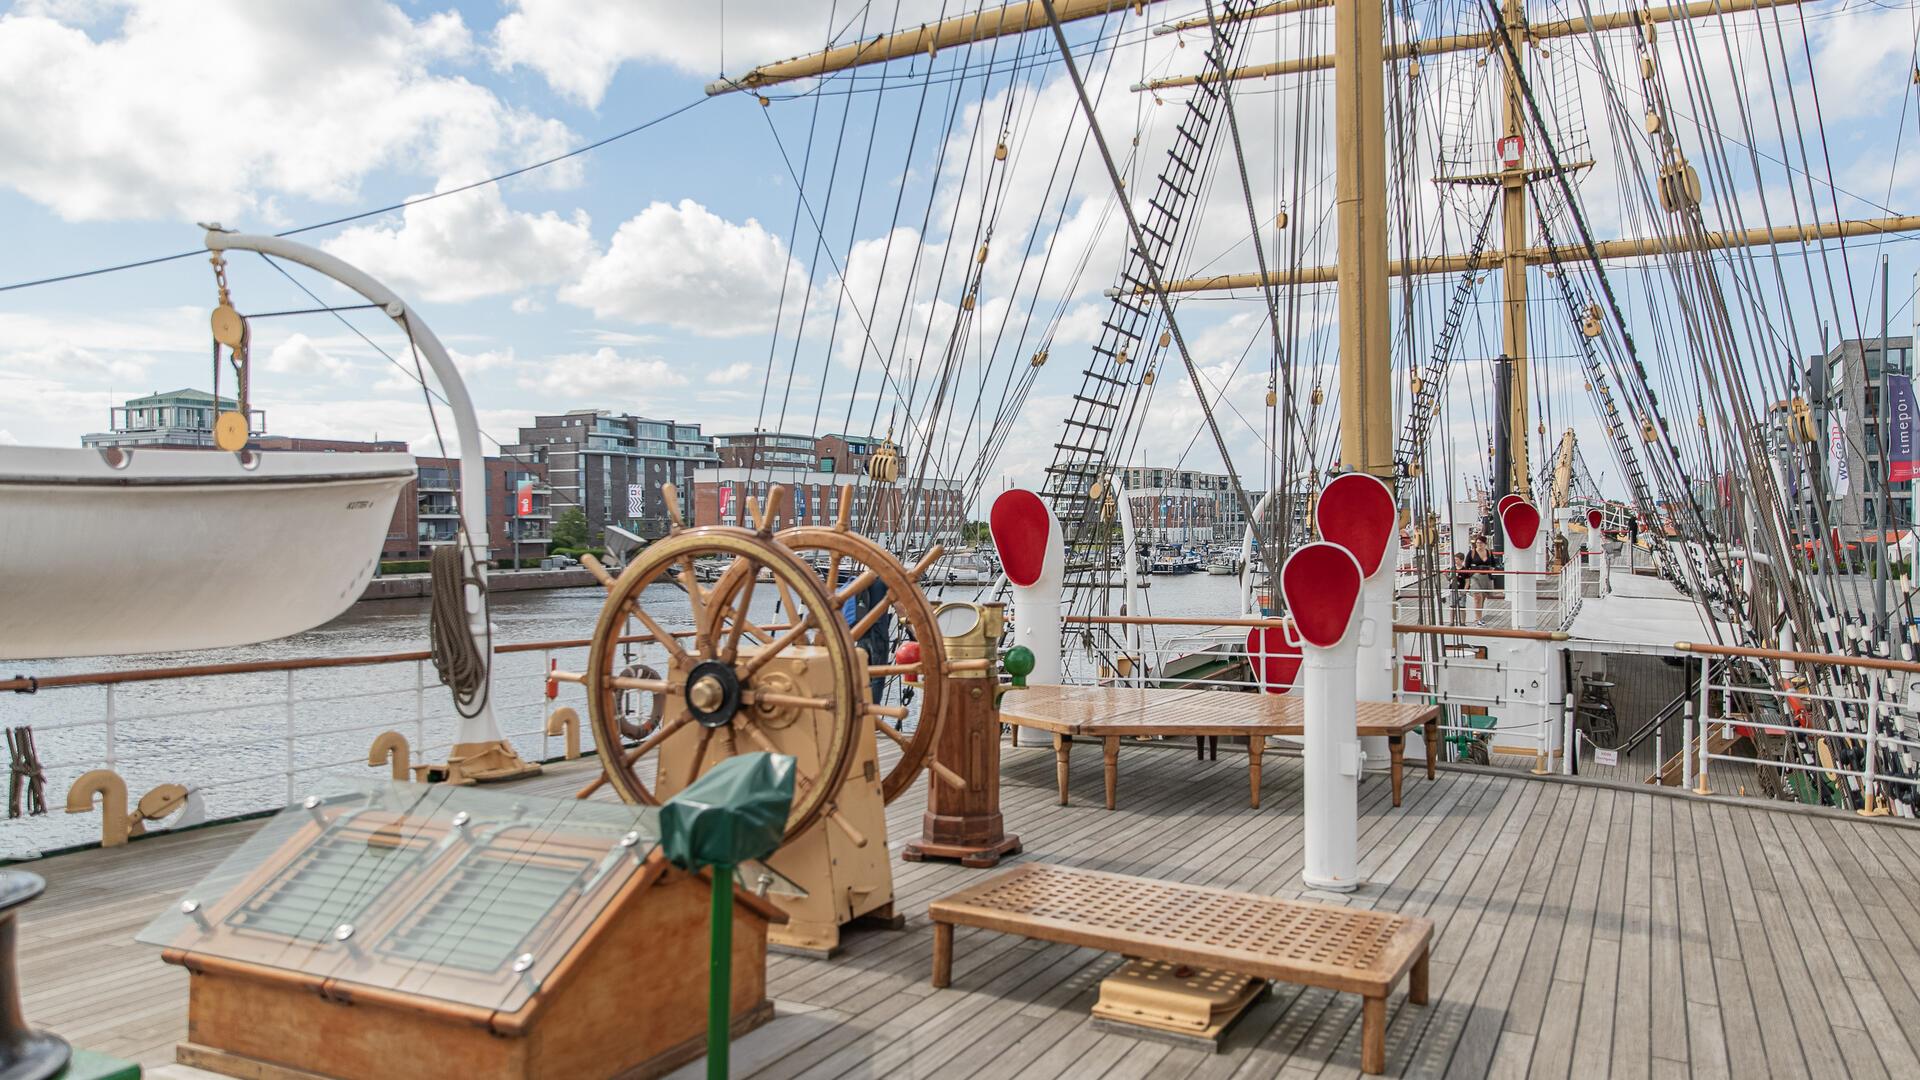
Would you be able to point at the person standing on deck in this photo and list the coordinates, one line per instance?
(878, 637)
(1479, 565)
(1457, 589)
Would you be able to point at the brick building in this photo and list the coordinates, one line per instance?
(814, 470)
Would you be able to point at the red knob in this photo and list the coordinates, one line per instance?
(908, 653)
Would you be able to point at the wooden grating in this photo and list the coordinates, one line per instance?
(1295, 941)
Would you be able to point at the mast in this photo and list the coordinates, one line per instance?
(1360, 212)
(1513, 262)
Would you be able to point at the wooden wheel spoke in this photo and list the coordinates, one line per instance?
(897, 712)
(740, 622)
(881, 671)
(855, 587)
(926, 562)
(699, 755)
(657, 686)
(660, 634)
(880, 725)
(697, 599)
(872, 616)
(790, 701)
(776, 647)
(659, 736)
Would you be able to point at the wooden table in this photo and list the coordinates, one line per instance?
(1111, 713)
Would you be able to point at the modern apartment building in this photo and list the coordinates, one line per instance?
(614, 466)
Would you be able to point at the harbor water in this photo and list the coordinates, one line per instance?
(253, 741)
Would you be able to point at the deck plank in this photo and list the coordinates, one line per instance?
(1580, 930)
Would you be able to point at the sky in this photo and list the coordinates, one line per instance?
(673, 272)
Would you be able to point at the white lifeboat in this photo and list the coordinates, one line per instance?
(116, 550)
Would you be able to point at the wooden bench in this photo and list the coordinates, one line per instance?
(1348, 950)
(1111, 713)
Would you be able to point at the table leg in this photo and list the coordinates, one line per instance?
(1397, 753)
(942, 954)
(1432, 739)
(1373, 1036)
(1417, 979)
(1062, 748)
(1112, 754)
(1256, 746)
(1200, 747)
(1213, 748)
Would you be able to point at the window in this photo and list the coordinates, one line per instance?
(826, 464)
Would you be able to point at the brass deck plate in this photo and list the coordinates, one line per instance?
(1180, 999)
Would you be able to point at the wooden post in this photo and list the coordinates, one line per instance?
(963, 821)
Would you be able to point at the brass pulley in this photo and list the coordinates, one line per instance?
(1146, 378)
(1679, 185)
(1319, 396)
(230, 329)
(967, 304)
(1120, 357)
(1800, 421)
(1590, 325)
(1040, 358)
(1000, 151)
(1280, 219)
(1166, 338)
(883, 466)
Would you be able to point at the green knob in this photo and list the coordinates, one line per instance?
(1019, 663)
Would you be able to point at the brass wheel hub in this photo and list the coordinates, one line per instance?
(713, 693)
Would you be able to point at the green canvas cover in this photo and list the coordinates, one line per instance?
(736, 812)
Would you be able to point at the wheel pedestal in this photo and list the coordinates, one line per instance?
(963, 821)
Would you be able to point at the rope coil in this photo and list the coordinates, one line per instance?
(461, 665)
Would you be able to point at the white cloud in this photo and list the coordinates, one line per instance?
(732, 373)
(470, 246)
(602, 375)
(686, 267)
(7, 439)
(578, 45)
(208, 110)
(298, 355)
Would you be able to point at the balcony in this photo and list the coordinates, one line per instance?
(437, 508)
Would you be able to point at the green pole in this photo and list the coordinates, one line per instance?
(720, 975)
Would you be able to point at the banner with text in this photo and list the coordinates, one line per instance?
(1903, 440)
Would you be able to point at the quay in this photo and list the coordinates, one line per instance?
(1582, 929)
(408, 586)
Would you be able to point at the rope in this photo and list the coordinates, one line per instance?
(460, 663)
(26, 776)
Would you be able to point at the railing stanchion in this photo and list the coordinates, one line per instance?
(1868, 799)
(291, 793)
(113, 730)
(1705, 733)
(419, 706)
(1692, 723)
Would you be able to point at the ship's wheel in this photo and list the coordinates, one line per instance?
(796, 685)
(847, 563)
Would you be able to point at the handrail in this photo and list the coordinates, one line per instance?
(1798, 657)
(1398, 628)
(29, 684)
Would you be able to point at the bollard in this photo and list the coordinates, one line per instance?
(1321, 583)
(1033, 553)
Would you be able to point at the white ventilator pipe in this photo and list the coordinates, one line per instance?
(1597, 539)
(1358, 512)
(1322, 586)
(1247, 605)
(1521, 523)
(1033, 553)
(1124, 507)
(480, 728)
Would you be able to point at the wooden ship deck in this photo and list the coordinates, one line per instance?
(1582, 929)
